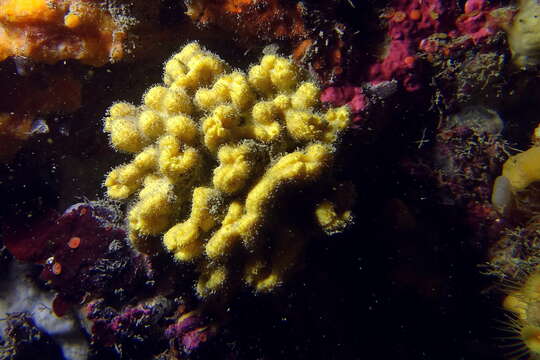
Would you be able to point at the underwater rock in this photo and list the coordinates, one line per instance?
(468, 151)
(480, 20)
(154, 326)
(465, 157)
(436, 29)
(321, 42)
(23, 340)
(134, 332)
(28, 99)
(84, 254)
(408, 23)
(18, 294)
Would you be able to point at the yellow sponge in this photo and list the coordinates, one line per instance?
(218, 153)
(524, 34)
(523, 169)
(235, 168)
(184, 240)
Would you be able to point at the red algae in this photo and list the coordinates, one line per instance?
(352, 96)
(76, 269)
(420, 26)
(424, 18)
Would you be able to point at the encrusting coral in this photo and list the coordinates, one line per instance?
(216, 153)
(50, 31)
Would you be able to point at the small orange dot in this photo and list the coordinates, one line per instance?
(74, 242)
(83, 211)
(415, 15)
(72, 20)
(409, 60)
(57, 268)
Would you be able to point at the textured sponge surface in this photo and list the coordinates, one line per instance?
(213, 151)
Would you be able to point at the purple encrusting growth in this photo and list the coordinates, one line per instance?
(189, 332)
(408, 23)
(422, 37)
(124, 328)
(432, 27)
(353, 96)
(132, 328)
(98, 263)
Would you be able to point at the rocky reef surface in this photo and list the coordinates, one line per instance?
(334, 179)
